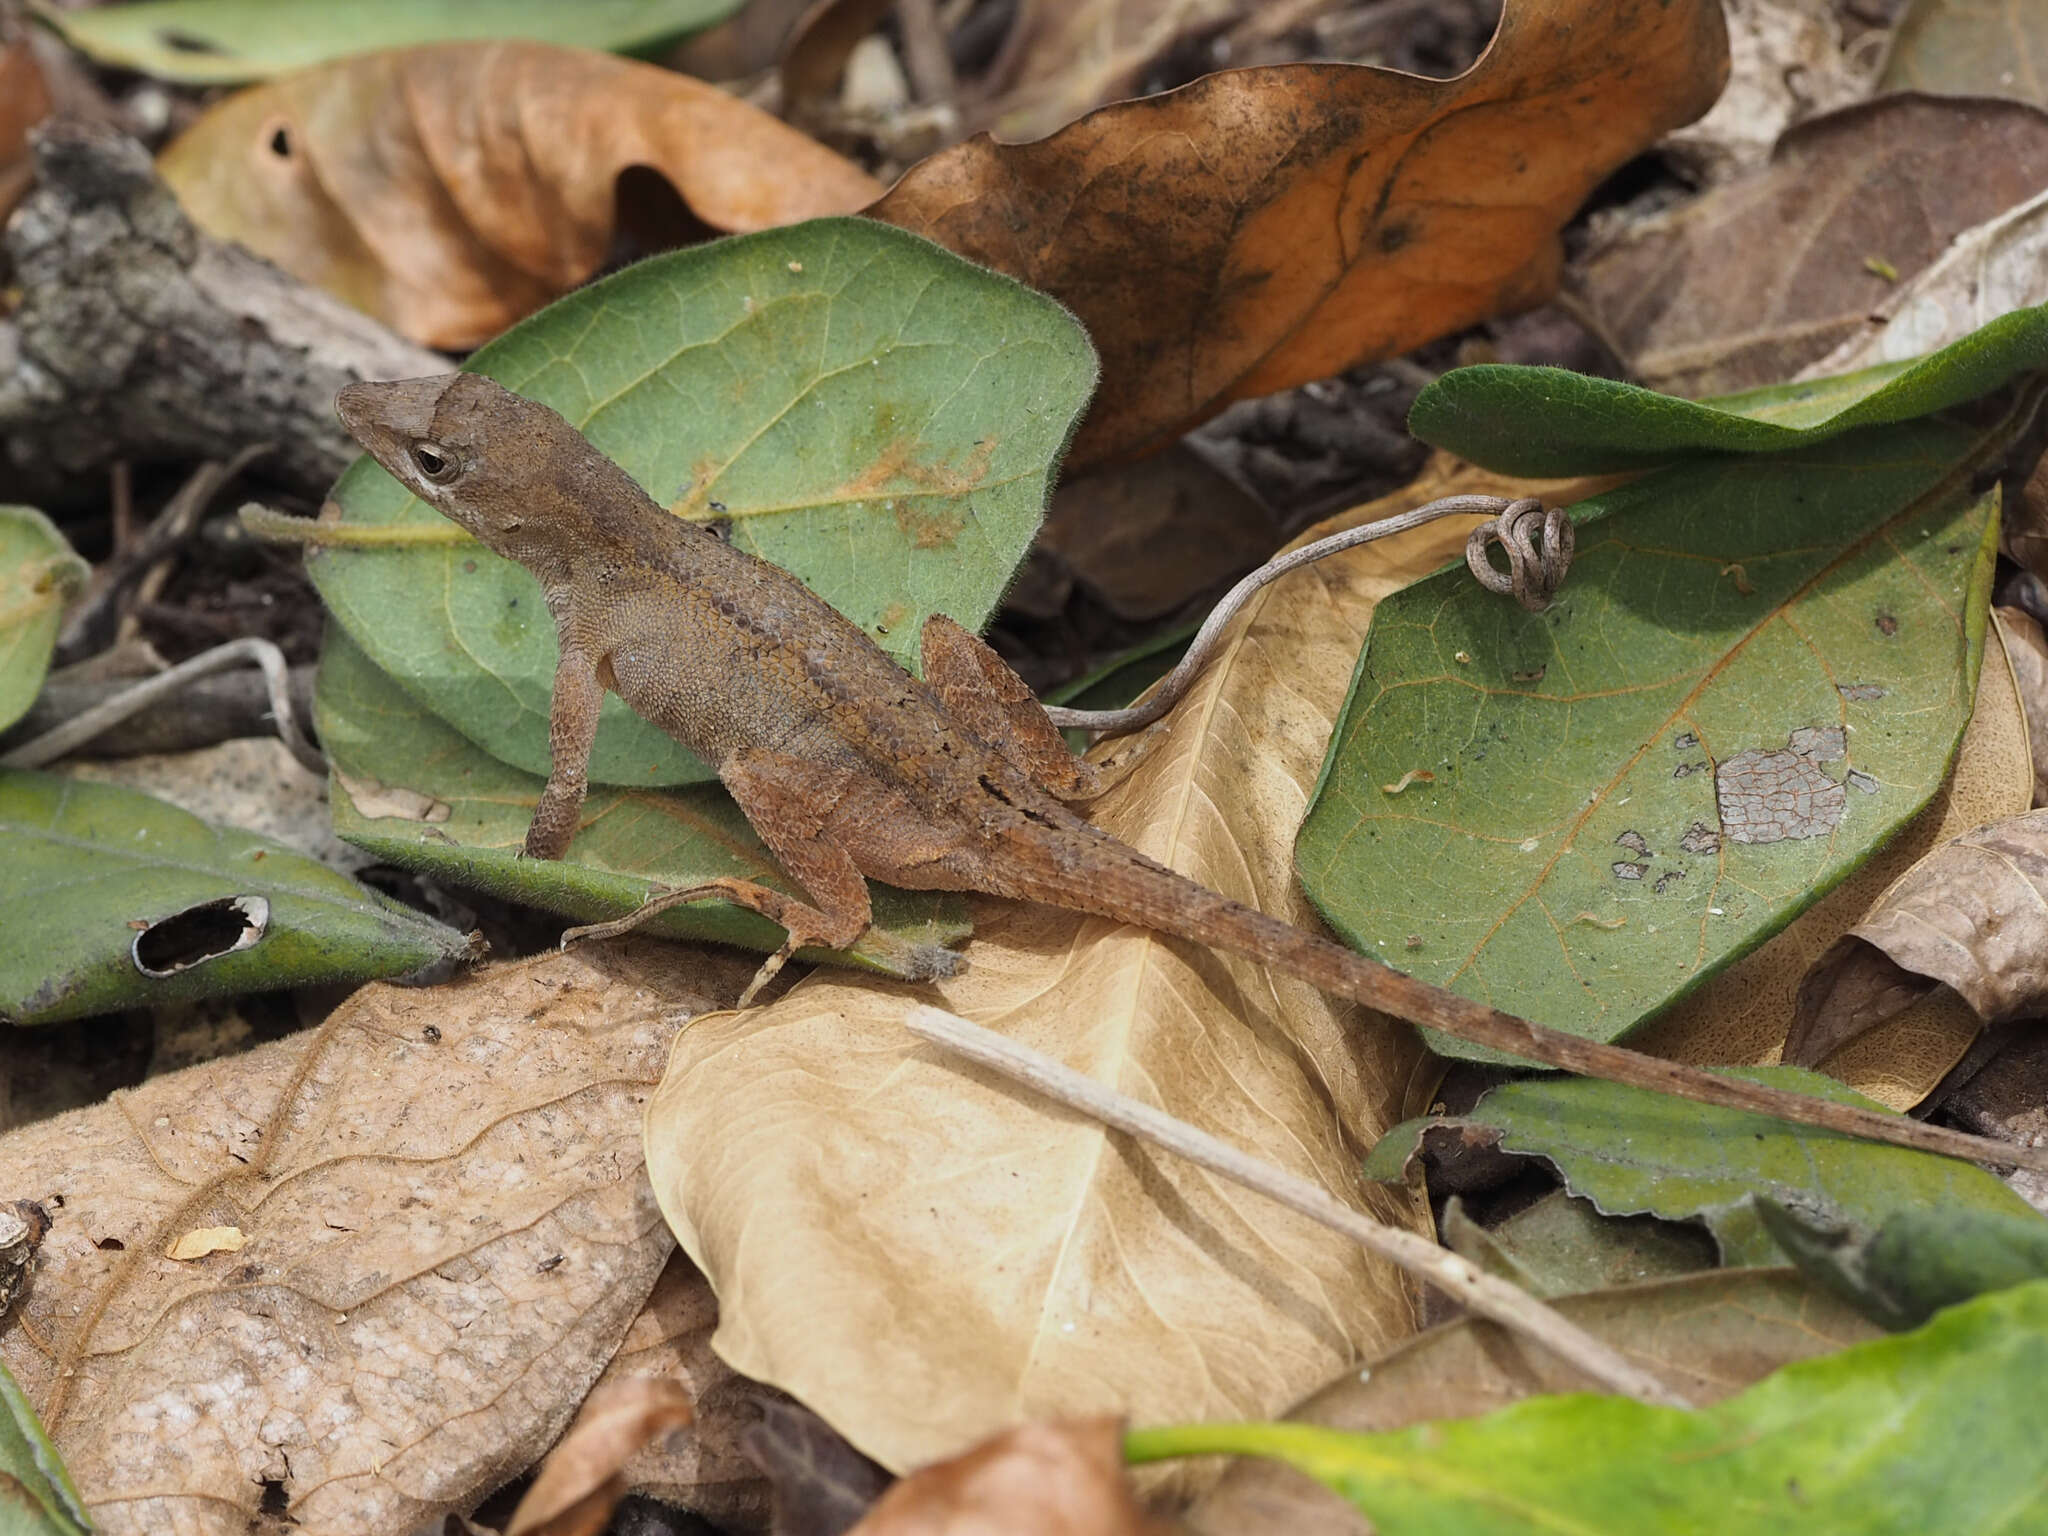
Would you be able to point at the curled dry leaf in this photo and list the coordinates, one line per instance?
(1740, 1017)
(1709, 1335)
(705, 1471)
(2026, 647)
(583, 1478)
(450, 190)
(923, 1253)
(1971, 915)
(1263, 227)
(446, 1233)
(1850, 203)
(1060, 1479)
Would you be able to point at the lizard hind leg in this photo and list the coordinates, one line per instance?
(982, 693)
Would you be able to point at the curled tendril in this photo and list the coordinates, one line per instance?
(1535, 570)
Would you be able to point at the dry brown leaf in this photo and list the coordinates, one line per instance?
(447, 1233)
(583, 1478)
(1971, 915)
(2026, 647)
(1741, 1017)
(1066, 57)
(450, 190)
(1146, 538)
(822, 1485)
(1753, 281)
(923, 1253)
(1988, 270)
(24, 102)
(1708, 1335)
(1263, 227)
(1786, 65)
(705, 1471)
(1061, 1479)
(1972, 48)
(2024, 530)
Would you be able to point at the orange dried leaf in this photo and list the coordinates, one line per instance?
(1058, 1479)
(24, 102)
(582, 1480)
(450, 190)
(1263, 227)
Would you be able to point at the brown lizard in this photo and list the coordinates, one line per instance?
(852, 770)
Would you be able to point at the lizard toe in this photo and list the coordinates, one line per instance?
(934, 962)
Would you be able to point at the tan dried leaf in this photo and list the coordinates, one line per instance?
(451, 189)
(704, 1471)
(1060, 1479)
(923, 1253)
(1971, 48)
(1741, 1017)
(2026, 647)
(1753, 281)
(201, 1241)
(1263, 227)
(1971, 915)
(1709, 1335)
(582, 1480)
(447, 1232)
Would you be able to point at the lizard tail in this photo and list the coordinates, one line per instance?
(1136, 890)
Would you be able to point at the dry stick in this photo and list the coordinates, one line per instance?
(80, 729)
(1508, 1305)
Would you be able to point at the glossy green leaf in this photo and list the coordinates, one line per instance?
(97, 881)
(864, 409)
(1934, 1433)
(212, 42)
(38, 575)
(1918, 1262)
(1633, 1152)
(409, 789)
(1550, 421)
(1757, 671)
(36, 1496)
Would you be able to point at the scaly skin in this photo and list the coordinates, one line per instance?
(851, 769)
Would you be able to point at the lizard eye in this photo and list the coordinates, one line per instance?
(436, 462)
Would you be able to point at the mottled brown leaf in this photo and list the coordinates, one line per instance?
(822, 1485)
(1267, 226)
(1708, 1335)
(1757, 279)
(447, 1231)
(1971, 915)
(450, 190)
(583, 1478)
(1740, 1017)
(1059, 1479)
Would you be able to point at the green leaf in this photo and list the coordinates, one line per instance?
(866, 410)
(1120, 680)
(36, 1496)
(1562, 1246)
(1918, 1262)
(409, 789)
(1922, 1434)
(1550, 421)
(38, 575)
(1633, 1152)
(96, 881)
(212, 42)
(1757, 671)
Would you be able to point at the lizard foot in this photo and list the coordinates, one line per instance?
(933, 962)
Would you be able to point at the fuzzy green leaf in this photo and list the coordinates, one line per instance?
(1551, 421)
(38, 575)
(1757, 672)
(864, 409)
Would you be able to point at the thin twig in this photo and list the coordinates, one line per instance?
(924, 52)
(1482, 1293)
(1210, 635)
(80, 729)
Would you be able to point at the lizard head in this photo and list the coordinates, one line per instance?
(462, 443)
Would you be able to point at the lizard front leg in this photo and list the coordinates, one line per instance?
(572, 731)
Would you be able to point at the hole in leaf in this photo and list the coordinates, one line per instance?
(279, 138)
(198, 934)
